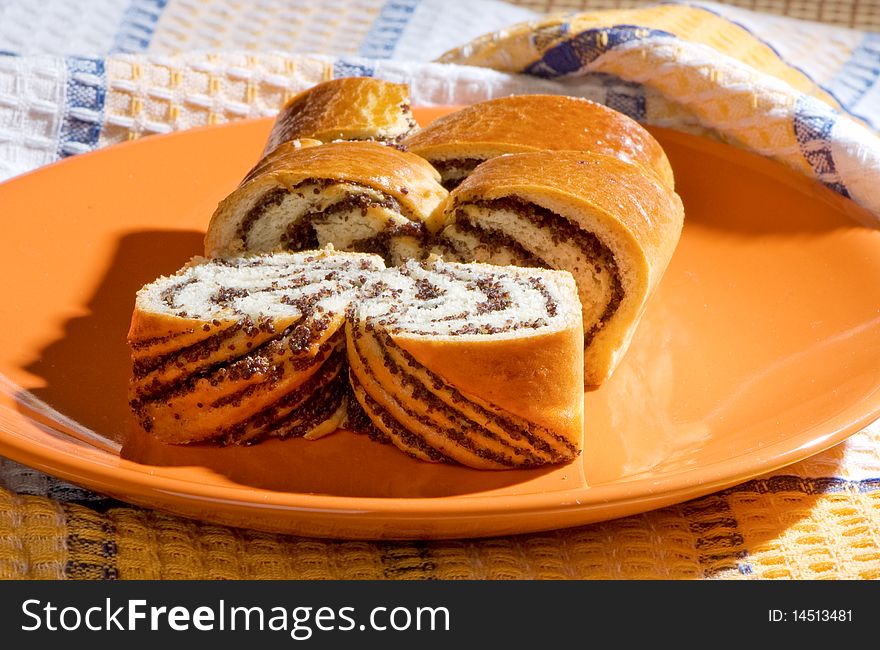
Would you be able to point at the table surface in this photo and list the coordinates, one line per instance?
(799, 523)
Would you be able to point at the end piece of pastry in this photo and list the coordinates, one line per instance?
(456, 143)
(470, 363)
(237, 350)
(351, 108)
(613, 226)
(357, 196)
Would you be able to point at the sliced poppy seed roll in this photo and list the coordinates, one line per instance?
(470, 363)
(357, 196)
(610, 224)
(351, 108)
(236, 350)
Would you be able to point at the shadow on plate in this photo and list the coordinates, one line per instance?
(342, 464)
(86, 370)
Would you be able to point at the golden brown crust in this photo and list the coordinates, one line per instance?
(507, 393)
(538, 378)
(409, 179)
(208, 412)
(152, 334)
(149, 330)
(523, 123)
(405, 424)
(399, 173)
(207, 409)
(351, 108)
(631, 201)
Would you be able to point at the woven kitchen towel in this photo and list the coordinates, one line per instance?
(781, 526)
(723, 71)
(804, 93)
(861, 14)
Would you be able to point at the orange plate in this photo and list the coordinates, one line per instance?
(760, 348)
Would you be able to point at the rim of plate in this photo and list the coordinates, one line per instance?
(157, 480)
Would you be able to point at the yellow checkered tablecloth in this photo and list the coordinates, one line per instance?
(149, 66)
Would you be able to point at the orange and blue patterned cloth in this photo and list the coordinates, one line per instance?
(749, 85)
(805, 94)
(76, 77)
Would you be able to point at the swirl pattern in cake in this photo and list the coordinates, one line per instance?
(469, 363)
(239, 349)
(357, 196)
(610, 224)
